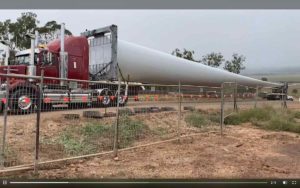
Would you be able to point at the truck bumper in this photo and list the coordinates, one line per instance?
(2, 94)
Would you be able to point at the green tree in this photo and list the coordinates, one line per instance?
(185, 54)
(4, 30)
(236, 64)
(213, 59)
(294, 91)
(25, 24)
(264, 79)
(50, 31)
(15, 32)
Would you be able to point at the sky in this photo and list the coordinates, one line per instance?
(269, 39)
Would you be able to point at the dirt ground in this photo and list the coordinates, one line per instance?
(243, 151)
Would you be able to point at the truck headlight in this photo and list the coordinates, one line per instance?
(3, 86)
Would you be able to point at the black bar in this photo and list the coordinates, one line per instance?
(150, 4)
(214, 183)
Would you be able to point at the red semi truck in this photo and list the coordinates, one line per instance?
(89, 57)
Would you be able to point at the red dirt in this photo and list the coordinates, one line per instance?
(243, 152)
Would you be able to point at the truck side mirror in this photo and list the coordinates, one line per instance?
(44, 59)
(47, 58)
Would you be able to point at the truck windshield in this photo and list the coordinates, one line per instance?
(24, 59)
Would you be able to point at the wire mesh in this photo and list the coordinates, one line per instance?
(19, 122)
(80, 118)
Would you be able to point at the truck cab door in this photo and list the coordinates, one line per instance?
(75, 69)
(49, 62)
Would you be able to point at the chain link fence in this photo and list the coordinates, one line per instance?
(44, 121)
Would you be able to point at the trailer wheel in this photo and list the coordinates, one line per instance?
(122, 98)
(23, 101)
(104, 99)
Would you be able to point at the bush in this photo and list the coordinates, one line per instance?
(297, 115)
(267, 118)
(295, 91)
(234, 119)
(260, 114)
(251, 115)
(214, 117)
(282, 124)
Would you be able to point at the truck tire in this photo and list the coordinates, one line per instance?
(23, 101)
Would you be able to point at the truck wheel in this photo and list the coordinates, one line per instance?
(23, 101)
(106, 100)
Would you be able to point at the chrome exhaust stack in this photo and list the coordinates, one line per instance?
(63, 68)
(36, 44)
(31, 69)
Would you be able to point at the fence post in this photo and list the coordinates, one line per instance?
(5, 118)
(285, 95)
(116, 127)
(38, 120)
(179, 110)
(235, 107)
(222, 109)
(256, 96)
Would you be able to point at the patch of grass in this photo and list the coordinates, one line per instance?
(72, 145)
(214, 117)
(256, 114)
(10, 157)
(234, 119)
(267, 118)
(196, 119)
(94, 136)
(282, 124)
(130, 130)
(297, 114)
(89, 138)
(95, 129)
(202, 118)
(160, 131)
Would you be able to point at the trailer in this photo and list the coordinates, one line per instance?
(88, 69)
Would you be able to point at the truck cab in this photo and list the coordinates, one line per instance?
(74, 57)
(48, 58)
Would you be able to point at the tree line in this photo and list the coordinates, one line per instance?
(14, 33)
(235, 65)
